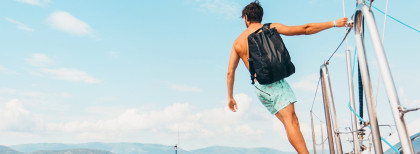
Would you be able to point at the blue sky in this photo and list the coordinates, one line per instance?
(139, 71)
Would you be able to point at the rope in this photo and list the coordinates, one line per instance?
(344, 15)
(354, 61)
(316, 91)
(317, 117)
(386, 13)
(383, 38)
(377, 88)
(383, 139)
(396, 19)
(344, 9)
(322, 141)
(360, 118)
(345, 36)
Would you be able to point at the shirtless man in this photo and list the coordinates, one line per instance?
(281, 98)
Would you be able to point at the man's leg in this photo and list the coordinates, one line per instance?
(290, 121)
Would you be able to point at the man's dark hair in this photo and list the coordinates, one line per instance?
(253, 11)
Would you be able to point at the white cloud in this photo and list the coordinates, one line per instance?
(114, 54)
(413, 103)
(20, 25)
(340, 54)
(35, 2)
(4, 90)
(67, 23)
(308, 83)
(70, 75)
(38, 59)
(229, 9)
(211, 125)
(182, 117)
(246, 130)
(7, 71)
(132, 120)
(406, 101)
(305, 128)
(186, 88)
(14, 117)
(218, 116)
(65, 95)
(104, 99)
(2, 68)
(278, 127)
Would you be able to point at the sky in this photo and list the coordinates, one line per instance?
(142, 71)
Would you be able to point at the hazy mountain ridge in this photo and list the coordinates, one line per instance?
(233, 150)
(72, 151)
(7, 150)
(129, 148)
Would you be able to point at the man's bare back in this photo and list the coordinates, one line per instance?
(241, 44)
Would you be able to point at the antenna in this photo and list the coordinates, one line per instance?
(178, 135)
(177, 145)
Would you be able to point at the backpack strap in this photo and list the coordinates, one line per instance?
(257, 30)
(266, 26)
(250, 60)
(251, 69)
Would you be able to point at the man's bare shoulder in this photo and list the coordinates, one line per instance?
(241, 43)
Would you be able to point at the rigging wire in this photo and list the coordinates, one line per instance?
(344, 15)
(383, 139)
(318, 118)
(383, 38)
(385, 17)
(396, 19)
(323, 141)
(316, 91)
(345, 36)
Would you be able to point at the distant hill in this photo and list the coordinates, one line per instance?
(72, 151)
(7, 150)
(129, 148)
(118, 148)
(231, 150)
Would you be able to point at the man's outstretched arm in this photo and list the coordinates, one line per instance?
(308, 29)
(233, 63)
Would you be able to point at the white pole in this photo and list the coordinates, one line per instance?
(364, 71)
(352, 105)
(406, 144)
(313, 133)
(322, 138)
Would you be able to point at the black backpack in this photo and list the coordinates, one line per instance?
(269, 60)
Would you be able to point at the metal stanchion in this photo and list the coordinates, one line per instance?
(322, 137)
(327, 117)
(364, 71)
(313, 132)
(406, 144)
(352, 105)
(328, 99)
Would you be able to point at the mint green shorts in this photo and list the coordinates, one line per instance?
(275, 96)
